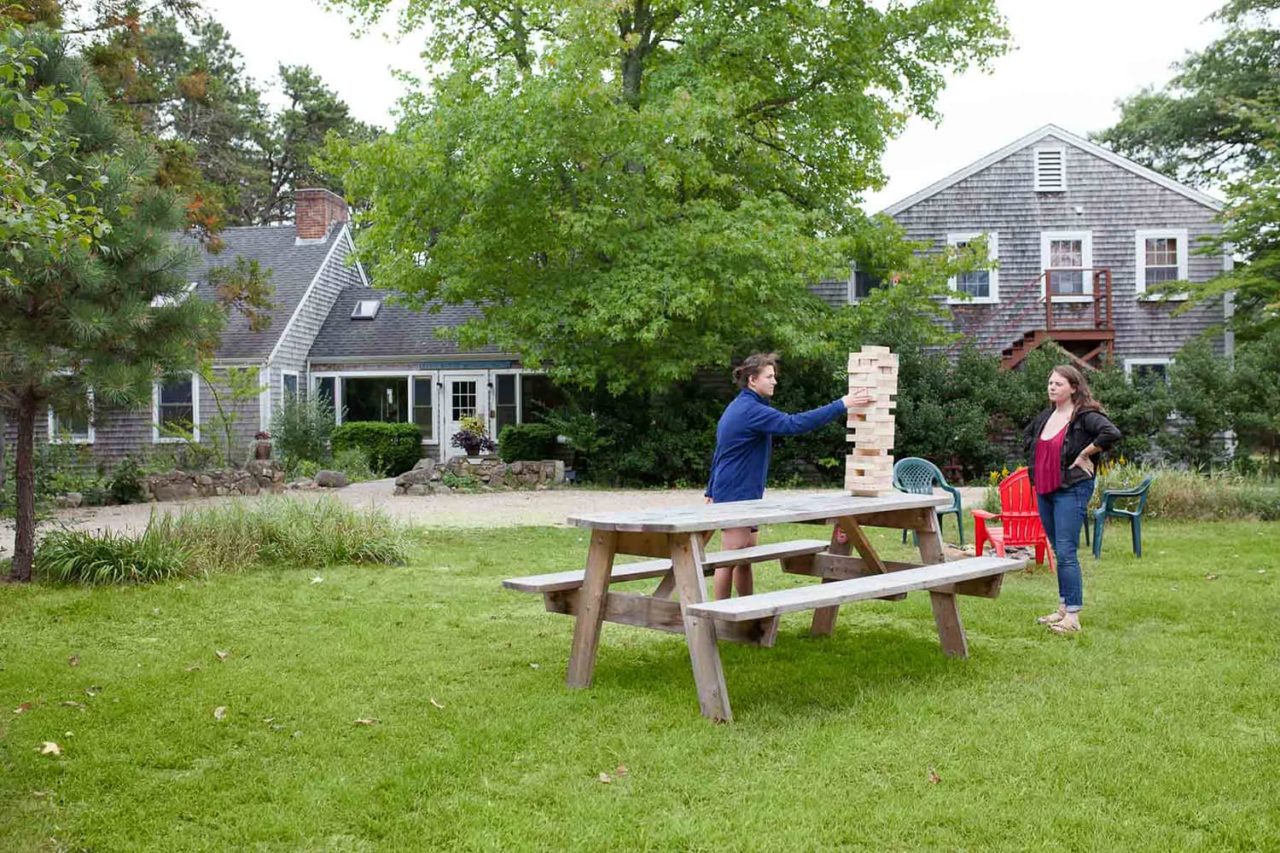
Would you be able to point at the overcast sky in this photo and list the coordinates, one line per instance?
(1069, 64)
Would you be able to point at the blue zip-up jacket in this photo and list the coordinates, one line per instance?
(744, 443)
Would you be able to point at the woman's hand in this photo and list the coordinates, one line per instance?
(1084, 463)
(858, 397)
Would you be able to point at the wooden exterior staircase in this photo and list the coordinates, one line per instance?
(1088, 336)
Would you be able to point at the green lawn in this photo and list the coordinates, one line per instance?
(1157, 729)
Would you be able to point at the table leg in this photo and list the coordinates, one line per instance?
(704, 653)
(946, 611)
(929, 532)
(824, 618)
(586, 631)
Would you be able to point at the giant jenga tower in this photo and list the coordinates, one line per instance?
(869, 468)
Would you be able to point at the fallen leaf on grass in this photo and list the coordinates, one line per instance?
(92, 691)
(535, 666)
(221, 655)
(74, 660)
(220, 712)
(317, 579)
(1211, 577)
(50, 748)
(23, 708)
(39, 793)
(605, 778)
(622, 770)
(72, 704)
(436, 704)
(365, 721)
(195, 667)
(934, 778)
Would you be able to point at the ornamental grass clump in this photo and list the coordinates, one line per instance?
(104, 557)
(285, 532)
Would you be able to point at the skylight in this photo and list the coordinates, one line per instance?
(366, 309)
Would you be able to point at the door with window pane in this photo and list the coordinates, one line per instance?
(463, 395)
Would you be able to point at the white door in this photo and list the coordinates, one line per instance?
(466, 395)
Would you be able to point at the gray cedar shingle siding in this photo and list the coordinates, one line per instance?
(1116, 202)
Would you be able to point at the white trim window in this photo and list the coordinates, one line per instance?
(72, 429)
(982, 285)
(289, 384)
(1050, 169)
(175, 408)
(1070, 255)
(1160, 255)
(422, 394)
(1142, 370)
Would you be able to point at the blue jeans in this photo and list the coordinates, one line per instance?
(1062, 513)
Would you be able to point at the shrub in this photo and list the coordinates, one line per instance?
(104, 557)
(302, 429)
(1192, 495)
(391, 449)
(353, 462)
(125, 482)
(521, 442)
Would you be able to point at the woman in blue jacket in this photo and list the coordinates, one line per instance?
(744, 439)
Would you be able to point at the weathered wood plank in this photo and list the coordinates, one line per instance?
(586, 632)
(700, 631)
(824, 618)
(643, 611)
(855, 589)
(702, 517)
(946, 615)
(861, 543)
(644, 544)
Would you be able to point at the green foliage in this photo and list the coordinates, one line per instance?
(391, 448)
(230, 389)
(1188, 495)
(125, 483)
(354, 462)
(1200, 391)
(1256, 398)
(104, 557)
(522, 442)
(301, 429)
(473, 437)
(674, 175)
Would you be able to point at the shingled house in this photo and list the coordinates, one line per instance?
(1079, 234)
(330, 333)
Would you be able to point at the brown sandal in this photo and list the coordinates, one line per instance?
(1065, 629)
(1052, 618)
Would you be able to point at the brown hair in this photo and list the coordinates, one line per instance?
(753, 365)
(1081, 396)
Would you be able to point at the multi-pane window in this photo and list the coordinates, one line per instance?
(376, 398)
(505, 401)
(1162, 259)
(462, 399)
(423, 412)
(289, 382)
(538, 395)
(75, 427)
(1064, 255)
(176, 407)
(1161, 256)
(980, 284)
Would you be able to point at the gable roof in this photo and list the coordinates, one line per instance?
(396, 330)
(293, 267)
(1071, 139)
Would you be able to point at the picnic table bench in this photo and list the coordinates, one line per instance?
(676, 536)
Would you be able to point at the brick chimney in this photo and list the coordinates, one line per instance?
(315, 210)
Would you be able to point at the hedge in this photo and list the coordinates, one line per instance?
(392, 449)
(527, 442)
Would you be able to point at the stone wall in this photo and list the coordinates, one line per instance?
(488, 473)
(258, 476)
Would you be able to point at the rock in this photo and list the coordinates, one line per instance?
(424, 463)
(331, 479)
(204, 480)
(418, 490)
(71, 500)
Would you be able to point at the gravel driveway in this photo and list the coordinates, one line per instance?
(483, 509)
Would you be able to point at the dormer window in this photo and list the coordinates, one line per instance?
(1051, 170)
(366, 309)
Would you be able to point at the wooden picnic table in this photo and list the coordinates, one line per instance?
(676, 535)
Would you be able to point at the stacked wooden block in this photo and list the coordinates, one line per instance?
(869, 468)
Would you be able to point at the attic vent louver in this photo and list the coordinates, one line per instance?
(1051, 170)
(366, 309)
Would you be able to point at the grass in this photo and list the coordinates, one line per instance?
(1156, 729)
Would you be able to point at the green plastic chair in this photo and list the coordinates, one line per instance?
(1108, 510)
(919, 477)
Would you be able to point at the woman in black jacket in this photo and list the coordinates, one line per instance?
(1060, 444)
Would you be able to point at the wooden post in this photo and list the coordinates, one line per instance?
(824, 618)
(704, 653)
(586, 632)
(946, 615)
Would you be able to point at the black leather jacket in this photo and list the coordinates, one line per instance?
(1085, 428)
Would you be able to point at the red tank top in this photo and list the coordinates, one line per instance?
(1049, 462)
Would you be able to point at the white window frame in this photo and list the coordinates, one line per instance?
(297, 384)
(1140, 238)
(55, 437)
(1131, 363)
(993, 257)
(156, 437)
(493, 407)
(1035, 169)
(339, 404)
(1086, 253)
(433, 377)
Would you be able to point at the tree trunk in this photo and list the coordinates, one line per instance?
(3, 469)
(24, 550)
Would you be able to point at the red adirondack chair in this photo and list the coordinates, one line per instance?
(1019, 520)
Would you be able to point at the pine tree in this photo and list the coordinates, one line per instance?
(92, 284)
